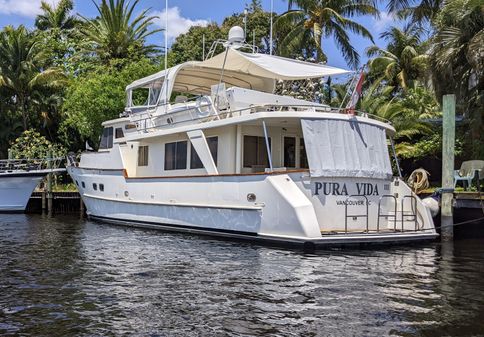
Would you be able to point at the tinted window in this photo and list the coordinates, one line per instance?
(143, 155)
(176, 155)
(289, 152)
(106, 139)
(255, 151)
(195, 162)
(118, 133)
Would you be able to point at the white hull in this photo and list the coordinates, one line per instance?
(287, 208)
(15, 191)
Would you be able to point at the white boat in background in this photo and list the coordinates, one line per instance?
(239, 161)
(18, 179)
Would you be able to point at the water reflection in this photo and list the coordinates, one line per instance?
(66, 276)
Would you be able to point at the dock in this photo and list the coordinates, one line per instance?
(62, 203)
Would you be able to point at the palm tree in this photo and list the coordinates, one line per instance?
(457, 61)
(56, 17)
(418, 11)
(116, 34)
(21, 68)
(407, 114)
(314, 20)
(403, 61)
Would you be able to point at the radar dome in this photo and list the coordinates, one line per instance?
(236, 35)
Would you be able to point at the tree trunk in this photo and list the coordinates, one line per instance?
(23, 111)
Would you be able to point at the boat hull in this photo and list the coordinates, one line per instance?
(16, 189)
(284, 211)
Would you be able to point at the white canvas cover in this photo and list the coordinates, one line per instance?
(346, 148)
(269, 66)
(244, 70)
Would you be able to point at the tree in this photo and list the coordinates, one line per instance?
(457, 62)
(32, 145)
(22, 68)
(418, 11)
(115, 34)
(99, 96)
(189, 46)
(56, 17)
(315, 20)
(403, 61)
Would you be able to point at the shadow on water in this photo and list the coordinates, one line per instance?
(65, 276)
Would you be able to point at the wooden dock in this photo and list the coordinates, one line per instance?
(62, 203)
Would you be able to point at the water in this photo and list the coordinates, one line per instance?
(65, 277)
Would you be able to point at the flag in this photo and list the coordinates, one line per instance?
(355, 96)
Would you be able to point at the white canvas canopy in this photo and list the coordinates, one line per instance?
(269, 66)
(346, 148)
(244, 70)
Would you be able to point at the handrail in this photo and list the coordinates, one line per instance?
(388, 215)
(357, 215)
(30, 164)
(251, 109)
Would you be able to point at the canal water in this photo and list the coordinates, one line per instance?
(71, 277)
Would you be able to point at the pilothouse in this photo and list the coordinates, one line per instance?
(208, 147)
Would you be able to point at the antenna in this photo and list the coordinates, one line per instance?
(166, 50)
(270, 38)
(203, 47)
(245, 22)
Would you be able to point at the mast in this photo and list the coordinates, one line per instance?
(270, 37)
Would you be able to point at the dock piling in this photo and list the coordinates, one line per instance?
(49, 184)
(448, 143)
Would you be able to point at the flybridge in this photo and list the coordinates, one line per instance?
(236, 68)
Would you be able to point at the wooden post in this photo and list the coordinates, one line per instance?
(10, 154)
(49, 184)
(448, 142)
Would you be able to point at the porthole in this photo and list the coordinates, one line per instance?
(101, 187)
(77, 183)
(94, 186)
(251, 197)
(126, 193)
(83, 185)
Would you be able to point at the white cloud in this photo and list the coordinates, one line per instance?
(385, 20)
(28, 8)
(177, 24)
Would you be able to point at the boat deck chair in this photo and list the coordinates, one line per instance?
(467, 172)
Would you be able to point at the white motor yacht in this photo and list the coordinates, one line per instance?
(18, 179)
(208, 147)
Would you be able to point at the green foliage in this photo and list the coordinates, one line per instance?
(457, 63)
(313, 21)
(22, 69)
(403, 61)
(32, 145)
(99, 96)
(189, 46)
(116, 34)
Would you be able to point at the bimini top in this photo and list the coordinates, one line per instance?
(245, 70)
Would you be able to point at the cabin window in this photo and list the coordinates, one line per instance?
(101, 187)
(143, 155)
(176, 155)
(140, 96)
(118, 133)
(106, 138)
(302, 155)
(83, 184)
(289, 152)
(195, 162)
(94, 186)
(255, 151)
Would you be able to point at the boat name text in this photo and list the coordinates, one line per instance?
(341, 189)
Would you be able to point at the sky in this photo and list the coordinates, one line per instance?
(182, 14)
